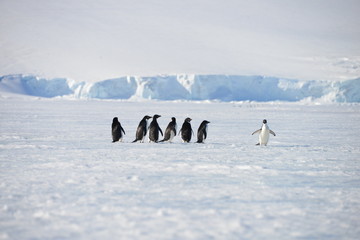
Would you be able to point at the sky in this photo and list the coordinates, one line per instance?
(89, 40)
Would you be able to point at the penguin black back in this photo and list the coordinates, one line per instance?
(186, 130)
(170, 131)
(116, 130)
(202, 131)
(142, 129)
(154, 129)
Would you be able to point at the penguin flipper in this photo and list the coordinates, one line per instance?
(257, 131)
(161, 132)
(272, 132)
(144, 132)
(122, 130)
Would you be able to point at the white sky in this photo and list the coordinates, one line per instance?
(94, 40)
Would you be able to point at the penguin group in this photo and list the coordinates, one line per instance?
(185, 132)
(153, 130)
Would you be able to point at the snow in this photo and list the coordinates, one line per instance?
(188, 87)
(61, 177)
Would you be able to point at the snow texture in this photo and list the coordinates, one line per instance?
(188, 87)
(62, 178)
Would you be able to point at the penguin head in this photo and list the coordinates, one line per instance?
(146, 117)
(115, 120)
(173, 119)
(264, 121)
(156, 116)
(206, 122)
(188, 119)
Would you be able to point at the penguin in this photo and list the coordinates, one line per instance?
(186, 130)
(170, 131)
(202, 131)
(154, 129)
(264, 133)
(116, 130)
(142, 129)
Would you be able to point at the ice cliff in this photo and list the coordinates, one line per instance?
(188, 87)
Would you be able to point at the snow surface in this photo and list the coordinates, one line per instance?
(62, 178)
(188, 87)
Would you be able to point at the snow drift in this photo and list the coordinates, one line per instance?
(188, 87)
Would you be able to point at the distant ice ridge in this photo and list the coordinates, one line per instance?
(188, 87)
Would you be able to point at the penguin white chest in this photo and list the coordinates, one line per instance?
(206, 131)
(264, 135)
(172, 133)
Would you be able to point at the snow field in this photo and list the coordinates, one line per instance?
(61, 177)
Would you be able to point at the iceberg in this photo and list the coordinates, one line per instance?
(188, 87)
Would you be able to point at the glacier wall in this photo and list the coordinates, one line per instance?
(188, 87)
